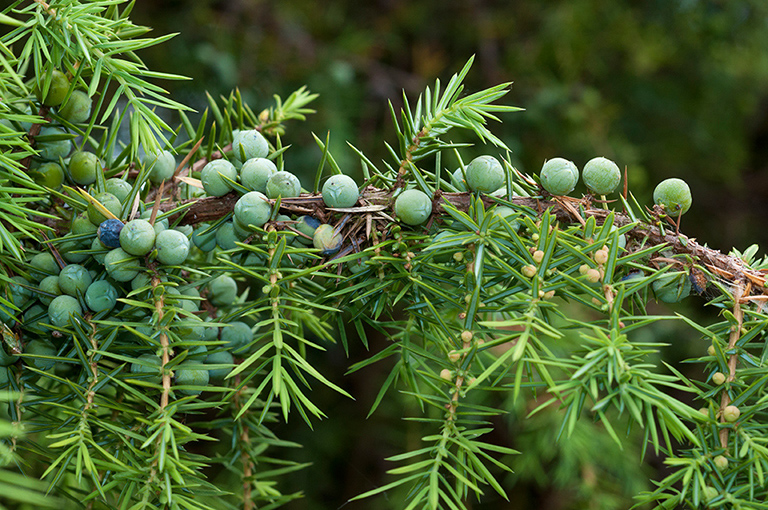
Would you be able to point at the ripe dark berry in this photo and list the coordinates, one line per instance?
(109, 233)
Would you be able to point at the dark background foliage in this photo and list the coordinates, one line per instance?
(665, 88)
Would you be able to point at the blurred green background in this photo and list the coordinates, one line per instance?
(667, 88)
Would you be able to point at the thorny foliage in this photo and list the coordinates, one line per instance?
(481, 299)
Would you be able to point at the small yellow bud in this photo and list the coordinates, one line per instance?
(731, 413)
(529, 271)
(454, 356)
(711, 350)
(458, 256)
(593, 275)
(709, 492)
(704, 411)
(583, 268)
(721, 462)
(538, 256)
(466, 336)
(718, 378)
(446, 374)
(601, 256)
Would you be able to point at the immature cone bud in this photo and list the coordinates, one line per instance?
(721, 462)
(446, 374)
(718, 378)
(731, 413)
(711, 350)
(601, 256)
(593, 275)
(538, 256)
(466, 336)
(529, 271)
(454, 356)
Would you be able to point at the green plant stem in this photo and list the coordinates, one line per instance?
(245, 442)
(166, 350)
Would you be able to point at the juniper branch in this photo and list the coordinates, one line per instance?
(566, 209)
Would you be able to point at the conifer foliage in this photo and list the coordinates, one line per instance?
(164, 290)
